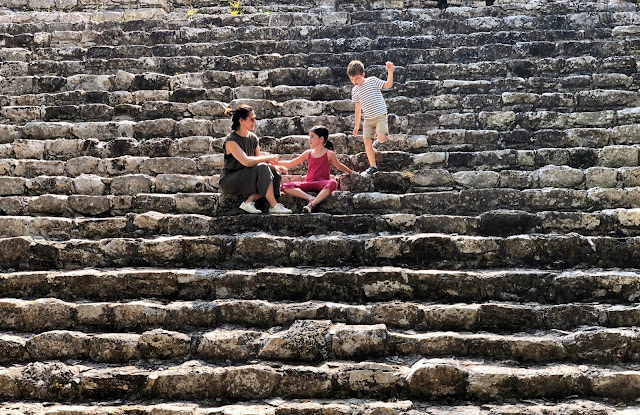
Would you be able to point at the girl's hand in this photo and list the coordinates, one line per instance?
(274, 160)
(282, 170)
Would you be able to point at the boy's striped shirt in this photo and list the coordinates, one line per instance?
(370, 97)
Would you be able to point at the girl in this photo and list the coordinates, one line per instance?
(320, 158)
(246, 171)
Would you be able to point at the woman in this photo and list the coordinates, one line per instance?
(246, 171)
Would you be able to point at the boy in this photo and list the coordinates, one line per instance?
(369, 101)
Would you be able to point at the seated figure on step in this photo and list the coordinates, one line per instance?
(246, 171)
(320, 158)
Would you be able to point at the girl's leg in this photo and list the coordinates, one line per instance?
(324, 193)
(295, 192)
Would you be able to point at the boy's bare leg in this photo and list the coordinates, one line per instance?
(371, 153)
(382, 138)
(295, 192)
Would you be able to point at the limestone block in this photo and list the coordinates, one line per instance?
(626, 134)
(458, 120)
(161, 109)
(58, 344)
(138, 314)
(180, 183)
(629, 176)
(21, 114)
(6, 152)
(477, 179)
(588, 137)
(629, 217)
(63, 148)
(12, 349)
(88, 83)
(49, 204)
(207, 108)
(442, 102)
(490, 382)
(89, 205)
(140, 97)
(237, 345)
(188, 381)
(114, 347)
(193, 127)
(191, 80)
(430, 159)
(158, 165)
(15, 54)
(102, 130)
(619, 156)
(85, 165)
(131, 184)
(7, 166)
(601, 177)
(359, 341)
(520, 98)
(50, 380)
(123, 81)
(432, 178)
(155, 128)
(211, 164)
(151, 221)
(497, 120)
(306, 340)
(375, 200)
(10, 133)
(437, 378)
(262, 248)
(251, 382)
(560, 176)
(612, 80)
(628, 115)
(121, 98)
(12, 186)
(607, 98)
(592, 119)
(89, 184)
(249, 92)
(197, 203)
(368, 377)
(164, 344)
(163, 250)
(303, 108)
(188, 225)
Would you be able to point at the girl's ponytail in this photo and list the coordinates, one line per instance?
(328, 145)
(322, 131)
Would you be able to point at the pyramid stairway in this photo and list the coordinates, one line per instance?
(491, 267)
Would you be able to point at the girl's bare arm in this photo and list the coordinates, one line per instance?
(336, 163)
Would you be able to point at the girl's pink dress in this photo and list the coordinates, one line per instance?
(318, 176)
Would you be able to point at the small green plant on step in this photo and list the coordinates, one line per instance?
(235, 8)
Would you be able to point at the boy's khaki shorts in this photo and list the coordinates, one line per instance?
(373, 126)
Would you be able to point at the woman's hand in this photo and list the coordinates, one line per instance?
(282, 170)
(274, 160)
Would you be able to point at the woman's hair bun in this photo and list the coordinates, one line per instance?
(228, 112)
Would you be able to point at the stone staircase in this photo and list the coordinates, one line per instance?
(491, 266)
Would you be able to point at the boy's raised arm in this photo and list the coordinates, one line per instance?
(389, 82)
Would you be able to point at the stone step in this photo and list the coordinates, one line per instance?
(428, 379)
(155, 15)
(365, 285)
(339, 37)
(46, 178)
(143, 315)
(166, 43)
(459, 202)
(440, 251)
(173, 65)
(443, 132)
(203, 156)
(324, 407)
(614, 222)
(504, 111)
(558, 74)
(322, 341)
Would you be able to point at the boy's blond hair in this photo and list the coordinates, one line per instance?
(355, 68)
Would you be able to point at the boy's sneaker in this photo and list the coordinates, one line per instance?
(369, 172)
(279, 209)
(376, 144)
(249, 207)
